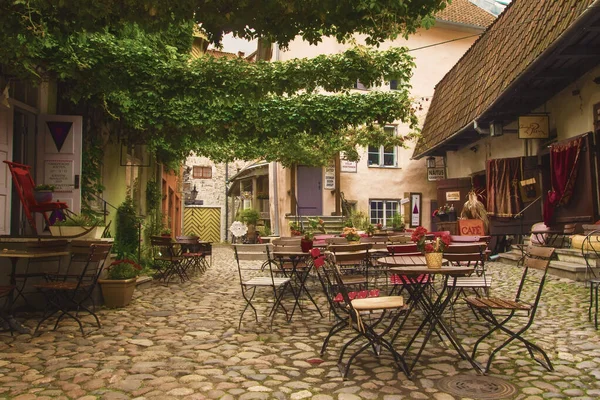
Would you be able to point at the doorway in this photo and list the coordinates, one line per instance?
(309, 190)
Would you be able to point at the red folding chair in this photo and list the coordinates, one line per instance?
(24, 184)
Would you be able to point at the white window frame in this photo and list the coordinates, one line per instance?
(381, 152)
(385, 220)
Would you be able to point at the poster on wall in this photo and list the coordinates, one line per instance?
(415, 210)
(330, 176)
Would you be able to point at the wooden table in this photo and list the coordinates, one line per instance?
(433, 307)
(298, 274)
(14, 256)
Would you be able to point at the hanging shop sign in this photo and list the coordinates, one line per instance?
(534, 127)
(436, 174)
(347, 166)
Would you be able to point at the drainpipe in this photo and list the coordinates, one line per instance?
(226, 201)
(273, 174)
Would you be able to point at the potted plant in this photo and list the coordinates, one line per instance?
(250, 217)
(442, 213)
(119, 284)
(398, 222)
(43, 193)
(296, 229)
(434, 249)
(166, 232)
(78, 225)
(351, 234)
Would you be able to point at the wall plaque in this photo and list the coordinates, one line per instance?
(60, 174)
(453, 196)
(330, 176)
(347, 166)
(436, 174)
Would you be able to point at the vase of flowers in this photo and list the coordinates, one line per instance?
(442, 213)
(351, 234)
(433, 249)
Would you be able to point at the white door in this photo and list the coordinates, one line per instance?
(59, 157)
(6, 129)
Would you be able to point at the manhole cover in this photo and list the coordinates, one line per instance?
(476, 387)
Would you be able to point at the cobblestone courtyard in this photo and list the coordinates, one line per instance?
(182, 342)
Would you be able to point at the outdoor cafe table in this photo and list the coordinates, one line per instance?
(433, 307)
(14, 256)
(299, 274)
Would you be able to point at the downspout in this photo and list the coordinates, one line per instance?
(226, 202)
(273, 167)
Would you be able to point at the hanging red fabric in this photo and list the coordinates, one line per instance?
(564, 162)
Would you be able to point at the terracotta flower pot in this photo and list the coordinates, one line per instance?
(117, 293)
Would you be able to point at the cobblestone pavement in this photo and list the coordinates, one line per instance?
(182, 342)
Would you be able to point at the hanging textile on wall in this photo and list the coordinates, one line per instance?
(503, 193)
(564, 162)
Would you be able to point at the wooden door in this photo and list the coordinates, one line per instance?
(59, 157)
(6, 128)
(309, 193)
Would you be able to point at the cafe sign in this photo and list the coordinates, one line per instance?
(436, 174)
(534, 127)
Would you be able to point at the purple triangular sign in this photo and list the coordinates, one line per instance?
(59, 131)
(416, 210)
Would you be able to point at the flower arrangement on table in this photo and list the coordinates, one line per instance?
(351, 234)
(436, 246)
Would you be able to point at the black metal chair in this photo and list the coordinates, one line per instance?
(372, 318)
(590, 249)
(68, 293)
(500, 311)
(38, 267)
(255, 269)
(167, 259)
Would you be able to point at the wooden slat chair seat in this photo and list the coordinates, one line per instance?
(498, 311)
(68, 293)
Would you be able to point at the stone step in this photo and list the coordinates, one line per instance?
(568, 270)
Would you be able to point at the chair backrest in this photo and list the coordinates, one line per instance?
(253, 258)
(336, 240)
(91, 257)
(469, 238)
(377, 242)
(163, 247)
(343, 248)
(287, 239)
(189, 244)
(537, 258)
(399, 239)
(323, 266)
(45, 246)
(23, 182)
(287, 244)
(470, 254)
(404, 249)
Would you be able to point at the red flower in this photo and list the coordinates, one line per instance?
(446, 239)
(428, 248)
(127, 261)
(435, 213)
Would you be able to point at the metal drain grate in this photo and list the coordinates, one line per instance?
(477, 387)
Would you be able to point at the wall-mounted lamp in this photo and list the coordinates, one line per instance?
(194, 193)
(430, 162)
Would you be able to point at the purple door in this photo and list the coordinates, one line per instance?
(309, 195)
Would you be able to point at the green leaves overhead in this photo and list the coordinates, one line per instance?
(132, 60)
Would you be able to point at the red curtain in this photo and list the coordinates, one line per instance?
(503, 195)
(564, 161)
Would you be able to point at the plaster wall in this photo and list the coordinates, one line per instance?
(432, 63)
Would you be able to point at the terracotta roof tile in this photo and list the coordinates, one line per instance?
(508, 47)
(465, 12)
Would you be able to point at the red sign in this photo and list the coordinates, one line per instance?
(470, 227)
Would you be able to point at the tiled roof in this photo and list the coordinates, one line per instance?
(509, 46)
(465, 12)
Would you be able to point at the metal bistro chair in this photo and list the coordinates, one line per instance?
(38, 268)
(354, 261)
(400, 282)
(323, 265)
(168, 261)
(471, 255)
(372, 319)
(67, 293)
(193, 256)
(500, 311)
(253, 276)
